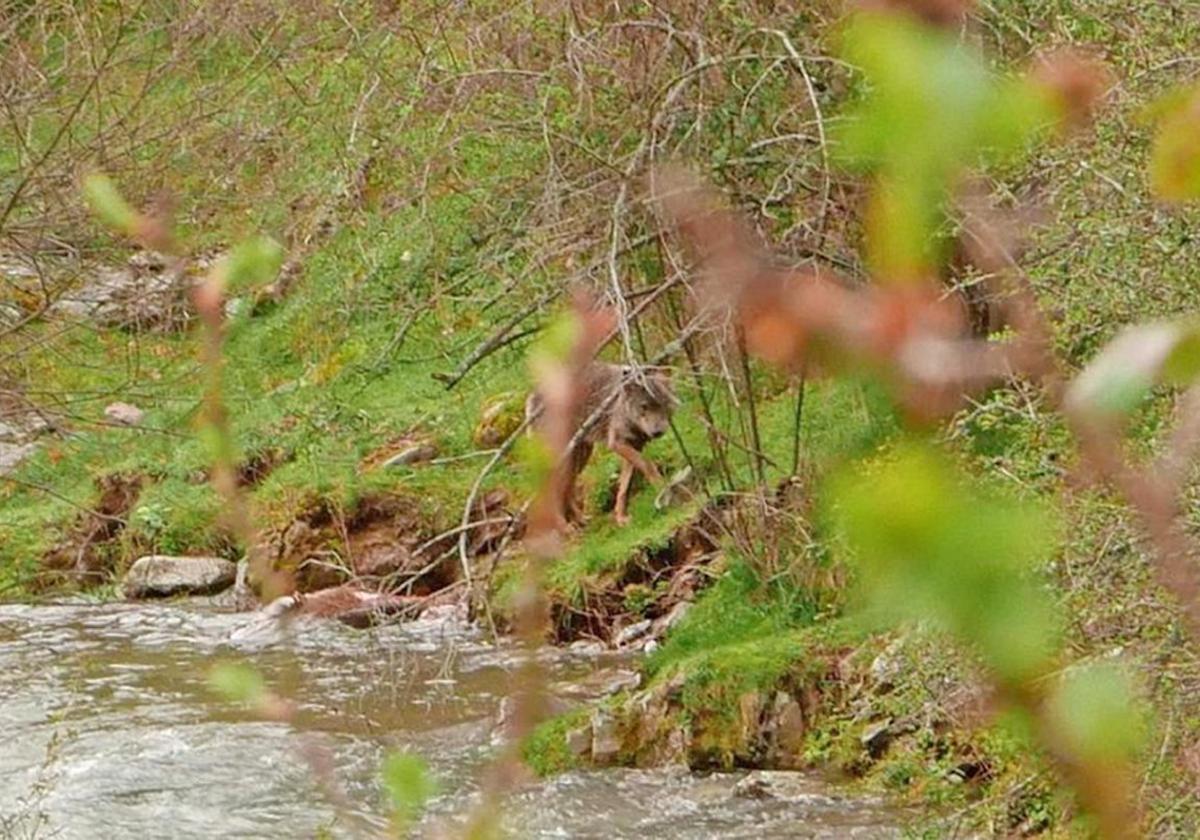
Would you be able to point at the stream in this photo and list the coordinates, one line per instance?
(108, 729)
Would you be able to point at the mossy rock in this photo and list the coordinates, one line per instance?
(499, 417)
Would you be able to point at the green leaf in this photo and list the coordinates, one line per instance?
(1121, 375)
(408, 783)
(932, 109)
(1095, 711)
(1175, 153)
(107, 203)
(241, 683)
(252, 262)
(931, 547)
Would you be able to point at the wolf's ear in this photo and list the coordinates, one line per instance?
(665, 379)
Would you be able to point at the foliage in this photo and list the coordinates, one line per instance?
(409, 786)
(933, 108)
(933, 548)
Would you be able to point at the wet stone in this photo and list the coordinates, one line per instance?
(162, 577)
(788, 729)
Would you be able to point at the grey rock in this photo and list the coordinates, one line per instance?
(670, 492)
(606, 744)
(676, 751)
(750, 715)
(621, 681)
(161, 576)
(14, 269)
(12, 454)
(752, 787)
(781, 784)
(280, 607)
(445, 614)
(875, 738)
(150, 292)
(415, 454)
(579, 741)
(677, 614)
(878, 737)
(788, 728)
(124, 413)
(22, 426)
(886, 668)
(587, 647)
(664, 624)
(632, 632)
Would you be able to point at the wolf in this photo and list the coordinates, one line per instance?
(636, 408)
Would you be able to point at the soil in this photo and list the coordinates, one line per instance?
(89, 551)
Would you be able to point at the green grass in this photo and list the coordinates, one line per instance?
(545, 750)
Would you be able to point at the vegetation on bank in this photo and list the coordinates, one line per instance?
(434, 183)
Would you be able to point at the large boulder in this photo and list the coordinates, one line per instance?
(162, 577)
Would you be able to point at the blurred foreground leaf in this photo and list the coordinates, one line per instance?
(933, 548)
(1122, 374)
(932, 108)
(106, 202)
(240, 683)
(408, 783)
(253, 261)
(1095, 711)
(1175, 153)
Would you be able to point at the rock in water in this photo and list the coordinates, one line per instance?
(353, 606)
(161, 577)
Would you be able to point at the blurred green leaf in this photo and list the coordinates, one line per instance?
(556, 341)
(1095, 711)
(107, 203)
(932, 109)
(408, 783)
(241, 683)
(1121, 375)
(933, 548)
(254, 261)
(1175, 153)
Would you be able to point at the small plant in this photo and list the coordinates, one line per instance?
(151, 519)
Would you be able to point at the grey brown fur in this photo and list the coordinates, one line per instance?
(640, 413)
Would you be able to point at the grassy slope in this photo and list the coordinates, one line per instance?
(313, 377)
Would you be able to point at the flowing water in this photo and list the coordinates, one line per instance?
(108, 729)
